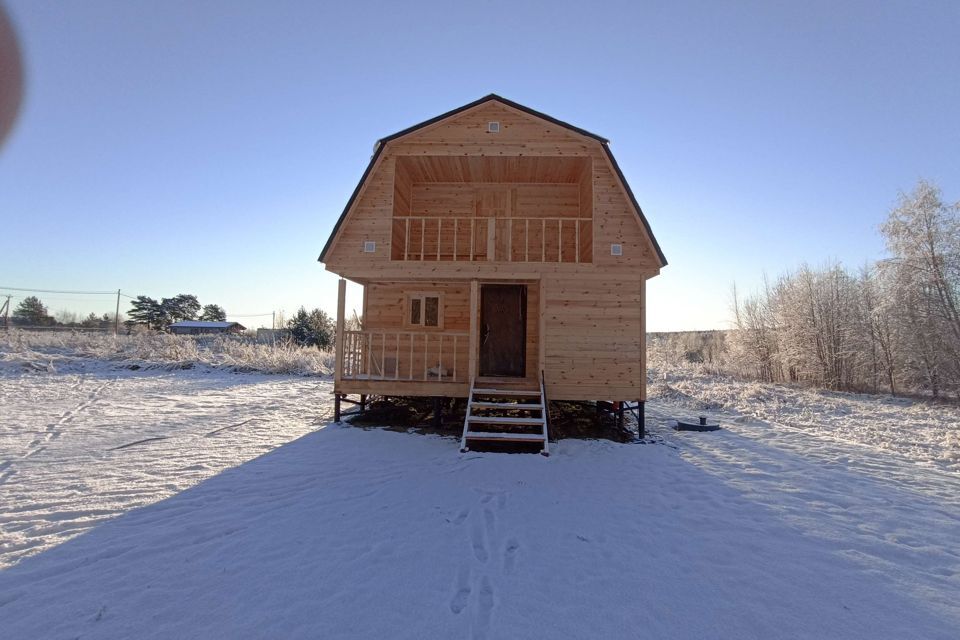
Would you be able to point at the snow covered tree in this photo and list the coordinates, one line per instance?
(315, 328)
(923, 237)
(895, 324)
(213, 313)
(32, 312)
(753, 342)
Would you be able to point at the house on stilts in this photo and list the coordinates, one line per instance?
(503, 259)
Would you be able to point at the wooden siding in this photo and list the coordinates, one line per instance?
(590, 320)
(371, 217)
(387, 308)
(387, 304)
(595, 338)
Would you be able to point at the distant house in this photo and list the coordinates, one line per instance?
(193, 327)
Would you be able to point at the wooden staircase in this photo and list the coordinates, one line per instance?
(506, 415)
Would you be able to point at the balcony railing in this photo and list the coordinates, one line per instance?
(505, 239)
(423, 356)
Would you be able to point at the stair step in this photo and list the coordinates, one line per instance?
(506, 392)
(502, 420)
(504, 405)
(516, 437)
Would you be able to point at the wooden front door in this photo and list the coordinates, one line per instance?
(503, 330)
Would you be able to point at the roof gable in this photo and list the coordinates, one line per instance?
(488, 100)
(436, 126)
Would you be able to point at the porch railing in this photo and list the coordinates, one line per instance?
(423, 356)
(505, 239)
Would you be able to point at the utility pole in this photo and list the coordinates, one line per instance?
(6, 314)
(273, 321)
(116, 318)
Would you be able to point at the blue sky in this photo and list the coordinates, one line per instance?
(208, 147)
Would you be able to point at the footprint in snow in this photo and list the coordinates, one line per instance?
(479, 549)
(462, 594)
(490, 521)
(485, 600)
(510, 555)
(459, 601)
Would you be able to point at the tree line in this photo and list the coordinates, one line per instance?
(31, 312)
(159, 315)
(892, 326)
(307, 328)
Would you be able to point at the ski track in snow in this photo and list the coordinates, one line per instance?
(217, 505)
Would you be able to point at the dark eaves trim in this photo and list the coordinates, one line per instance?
(636, 205)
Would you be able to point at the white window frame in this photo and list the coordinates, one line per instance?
(422, 296)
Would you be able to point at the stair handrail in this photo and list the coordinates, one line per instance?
(466, 418)
(546, 415)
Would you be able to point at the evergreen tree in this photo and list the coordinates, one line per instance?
(315, 328)
(181, 307)
(32, 312)
(147, 311)
(213, 313)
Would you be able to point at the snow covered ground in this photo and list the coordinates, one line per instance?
(79, 449)
(206, 504)
(924, 432)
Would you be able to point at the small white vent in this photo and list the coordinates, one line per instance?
(616, 249)
(369, 246)
(493, 127)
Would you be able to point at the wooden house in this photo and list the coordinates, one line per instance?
(504, 259)
(202, 327)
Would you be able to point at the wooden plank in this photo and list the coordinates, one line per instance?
(491, 239)
(341, 308)
(542, 331)
(502, 421)
(526, 240)
(405, 388)
(505, 405)
(474, 334)
(515, 437)
(524, 393)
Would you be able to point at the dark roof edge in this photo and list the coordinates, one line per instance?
(633, 199)
(353, 197)
(488, 98)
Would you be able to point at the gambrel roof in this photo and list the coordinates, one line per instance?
(605, 144)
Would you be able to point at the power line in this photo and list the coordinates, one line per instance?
(92, 293)
(249, 315)
(60, 299)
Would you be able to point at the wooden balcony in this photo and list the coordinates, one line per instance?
(502, 239)
(409, 356)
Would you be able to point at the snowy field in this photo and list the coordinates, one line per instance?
(922, 432)
(211, 504)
